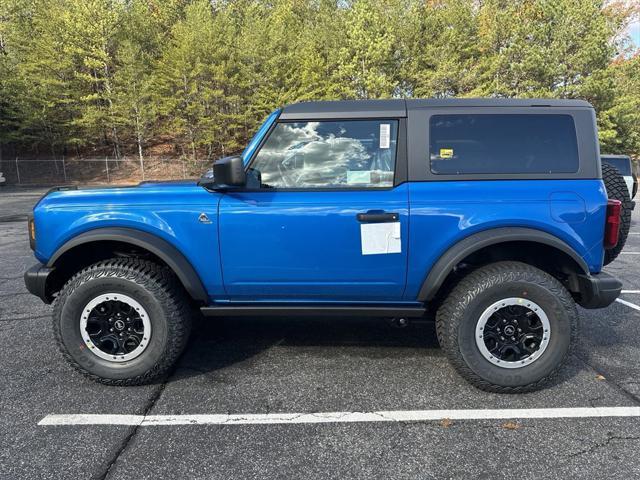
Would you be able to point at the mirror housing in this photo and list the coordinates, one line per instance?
(228, 173)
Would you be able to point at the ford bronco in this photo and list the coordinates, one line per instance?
(490, 216)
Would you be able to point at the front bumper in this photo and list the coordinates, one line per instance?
(598, 290)
(35, 280)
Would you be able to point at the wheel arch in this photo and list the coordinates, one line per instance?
(154, 245)
(495, 237)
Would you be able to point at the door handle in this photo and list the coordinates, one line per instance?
(373, 216)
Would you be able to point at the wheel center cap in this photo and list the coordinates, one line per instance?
(509, 330)
(119, 325)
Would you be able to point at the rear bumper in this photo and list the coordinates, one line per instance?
(35, 279)
(598, 290)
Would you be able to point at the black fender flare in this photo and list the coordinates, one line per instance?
(156, 245)
(465, 247)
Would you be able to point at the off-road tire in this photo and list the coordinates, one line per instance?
(617, 190)
(153, 286)
(458, 315)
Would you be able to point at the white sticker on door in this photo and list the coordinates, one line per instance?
(380, 238)
(385, 135)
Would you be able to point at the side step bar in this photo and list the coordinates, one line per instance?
(312, 311)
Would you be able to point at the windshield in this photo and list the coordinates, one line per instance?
(255, 141)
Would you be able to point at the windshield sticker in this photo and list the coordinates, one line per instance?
(446, 152)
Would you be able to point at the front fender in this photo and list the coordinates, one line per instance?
(170, 211)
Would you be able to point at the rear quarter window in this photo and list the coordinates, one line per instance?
(502, 144)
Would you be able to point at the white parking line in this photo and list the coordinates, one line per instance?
(629, 253)
(628, 304)
(339, 417)
(630, 291)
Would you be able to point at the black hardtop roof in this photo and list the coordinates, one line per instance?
(398, 107)
(345, 109)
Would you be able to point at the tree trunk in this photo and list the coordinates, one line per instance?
(139, 142)
(114, 128)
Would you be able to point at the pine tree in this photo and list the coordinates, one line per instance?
(121, 75)
(366, 60)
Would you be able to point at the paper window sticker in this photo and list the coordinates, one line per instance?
(359, 177)
(385, 135)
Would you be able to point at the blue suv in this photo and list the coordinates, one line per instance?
(490, 216)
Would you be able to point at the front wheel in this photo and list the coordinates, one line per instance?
(507, 327)
(122, 321)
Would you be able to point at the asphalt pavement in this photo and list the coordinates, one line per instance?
(261, 366)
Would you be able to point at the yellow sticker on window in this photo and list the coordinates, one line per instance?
(446, 152)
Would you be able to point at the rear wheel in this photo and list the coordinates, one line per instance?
(507, 327)
(617, 190)
(122, 321)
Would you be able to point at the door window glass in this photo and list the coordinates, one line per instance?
(328, 154)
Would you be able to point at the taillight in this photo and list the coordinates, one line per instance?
(612, 225)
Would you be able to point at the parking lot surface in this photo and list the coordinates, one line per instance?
(266, 366)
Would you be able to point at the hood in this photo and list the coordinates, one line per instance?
(178, 192)
(153, 183)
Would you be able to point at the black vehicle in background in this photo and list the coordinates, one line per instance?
(627, 169)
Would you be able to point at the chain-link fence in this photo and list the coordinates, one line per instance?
(38, 171)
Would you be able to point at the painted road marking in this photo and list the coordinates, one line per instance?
(339, 417)
(630, 291)
(629, 253)
(628, 304)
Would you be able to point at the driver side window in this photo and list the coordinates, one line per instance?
(328, 154)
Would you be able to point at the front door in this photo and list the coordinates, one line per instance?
(321, 219)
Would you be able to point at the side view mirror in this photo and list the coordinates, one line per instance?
(228, 172)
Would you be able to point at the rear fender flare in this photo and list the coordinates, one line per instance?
(465, 247)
